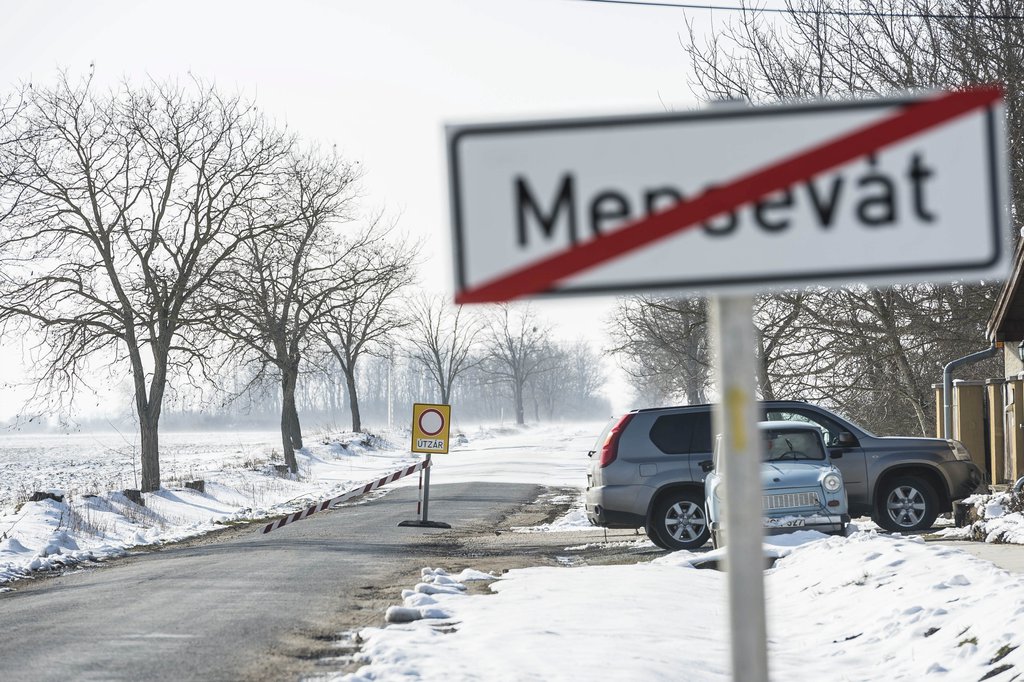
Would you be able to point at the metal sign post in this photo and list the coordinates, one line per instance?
(426, 492)
(430, 430)
(740, 460)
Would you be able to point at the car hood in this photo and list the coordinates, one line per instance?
(910, 443)
(792, 474)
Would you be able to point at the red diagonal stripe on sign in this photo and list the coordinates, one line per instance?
(908, 121)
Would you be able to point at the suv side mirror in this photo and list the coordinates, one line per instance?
(707, 466)
(846, 439)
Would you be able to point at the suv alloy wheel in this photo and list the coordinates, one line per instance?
(906, 503)
(679, 521)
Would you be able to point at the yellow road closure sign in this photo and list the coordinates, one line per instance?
(430, 425)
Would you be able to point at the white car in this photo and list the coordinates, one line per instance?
(802, 488)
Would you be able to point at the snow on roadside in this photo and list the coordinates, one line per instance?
(997, 518)
(95, 521)
(864, 607)
(91, 523)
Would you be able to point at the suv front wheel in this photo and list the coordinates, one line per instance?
(906, 504)
(679, 521)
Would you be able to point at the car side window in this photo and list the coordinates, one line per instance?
(829, 429)
(682, 434)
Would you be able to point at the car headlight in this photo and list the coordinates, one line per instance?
(959, 451)
(832, 483)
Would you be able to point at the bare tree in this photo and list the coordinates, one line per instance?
(365, 312)
(782, 346)
(10, 107)
(876, 352)
(441, 338)
(827, 49)
(663, 344)
(516, 345)
(277, 288)
(872, 351)
(126, 204)
(571, 383)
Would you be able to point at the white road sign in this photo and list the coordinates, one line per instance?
(735, 198)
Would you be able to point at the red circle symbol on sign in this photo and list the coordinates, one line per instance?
(431, 422)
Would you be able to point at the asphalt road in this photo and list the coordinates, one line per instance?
(244, 605)
(1007, 557)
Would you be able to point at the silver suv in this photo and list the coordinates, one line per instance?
(646, 472)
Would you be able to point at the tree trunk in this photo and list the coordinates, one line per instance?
(148, 428)
(289, 418)
(353, 398)
(295, 428)
(517, 395)
(764, 382)
(147, 405)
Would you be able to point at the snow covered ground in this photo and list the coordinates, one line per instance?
(865, 607)
(96, 521)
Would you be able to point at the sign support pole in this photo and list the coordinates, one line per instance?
(736, 419)
(426, 488)
(423, 522)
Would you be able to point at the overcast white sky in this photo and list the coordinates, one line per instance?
(380, 78)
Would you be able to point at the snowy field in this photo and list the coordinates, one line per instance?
(868, 606)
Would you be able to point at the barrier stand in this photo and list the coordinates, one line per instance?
(419, 495)
(423, 521)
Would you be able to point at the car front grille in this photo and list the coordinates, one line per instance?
(789, 501)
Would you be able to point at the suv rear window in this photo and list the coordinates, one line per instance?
(682, 434)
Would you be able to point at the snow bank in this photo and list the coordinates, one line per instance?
(997, 518)
(864, 607)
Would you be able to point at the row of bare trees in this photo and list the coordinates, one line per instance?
(873, 352)
(494, 362)
(163, 230)
(175, 234)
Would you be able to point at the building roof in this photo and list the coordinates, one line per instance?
(1007, 320)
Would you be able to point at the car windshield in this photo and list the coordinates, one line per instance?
(853, 423)
(792, 445)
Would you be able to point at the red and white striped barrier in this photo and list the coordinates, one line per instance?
(345, 497)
